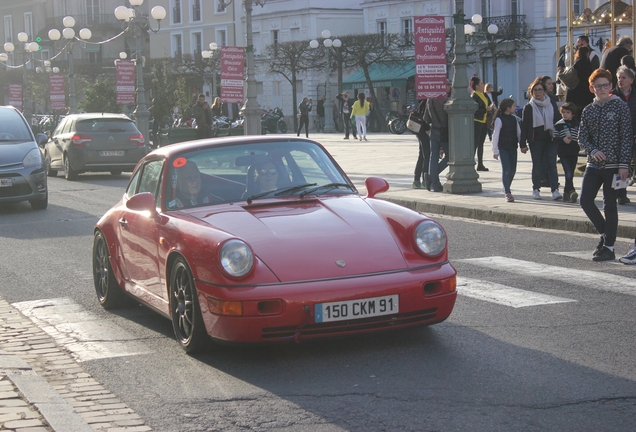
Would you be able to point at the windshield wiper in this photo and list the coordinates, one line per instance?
(279, 191)
(328, 186)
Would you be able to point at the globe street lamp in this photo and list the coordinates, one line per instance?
(251, 110)
(477, 35)
(328, 43)
(461, 177)
(69, 35)
(139, 23)
(27, 49)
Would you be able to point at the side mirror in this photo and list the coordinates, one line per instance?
(144, 201)
(375, 185)
(41, 139)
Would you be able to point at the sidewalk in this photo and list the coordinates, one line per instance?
(393, 157)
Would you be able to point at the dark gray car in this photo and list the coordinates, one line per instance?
(94, 142)
(22, 167)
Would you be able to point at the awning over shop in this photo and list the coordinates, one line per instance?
(392, 74)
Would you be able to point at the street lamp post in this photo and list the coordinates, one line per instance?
(461, 177)
(139, 24)
(69, 35)
(27, 49)
(478, 36)
(328, 43)
(251, 109)
(209, 54)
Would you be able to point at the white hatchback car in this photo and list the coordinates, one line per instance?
(22, 167)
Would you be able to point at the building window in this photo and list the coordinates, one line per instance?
(407, 31)
(221, 39)
(8, 29)
(275, 40)
(485, 8)
(196, 45)
(196, 10)
(176, 12)
(177, 47)
(92, 8)
(576, 5)
(382, 31)
(28, 25)
(220, 7)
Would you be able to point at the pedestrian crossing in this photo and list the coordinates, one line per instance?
(504, 295)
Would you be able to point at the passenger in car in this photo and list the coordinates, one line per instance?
(189, 190)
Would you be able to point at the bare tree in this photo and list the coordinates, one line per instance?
(290, 59)
(365, 50)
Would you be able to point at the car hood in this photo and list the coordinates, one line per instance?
(12, 152)
(314, 239)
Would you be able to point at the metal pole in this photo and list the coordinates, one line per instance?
(329, 126)
(26, 110)
(72, 101)
(251, 110)
(462, 177)
(141, 111)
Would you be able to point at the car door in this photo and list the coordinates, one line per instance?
(54, 146)
(139, 233)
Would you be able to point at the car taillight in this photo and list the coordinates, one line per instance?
(139, 138)
(79, 140)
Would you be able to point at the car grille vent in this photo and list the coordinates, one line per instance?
(333, 328)
(14, 191)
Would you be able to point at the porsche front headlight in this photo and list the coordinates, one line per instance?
(430, 238)
(236, 258)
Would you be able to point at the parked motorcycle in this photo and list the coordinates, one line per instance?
(272, 122)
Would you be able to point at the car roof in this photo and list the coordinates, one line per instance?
(93, 116)
(173, 149)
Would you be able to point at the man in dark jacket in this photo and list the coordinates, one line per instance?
(584, 41)
(345, 113)
(436, 115)
(203, 115)
(612, 57)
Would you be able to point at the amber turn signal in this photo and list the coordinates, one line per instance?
(223, 307)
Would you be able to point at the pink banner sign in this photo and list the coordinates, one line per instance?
(15, 95)
(430, 57)
(125, 82)
(56, 92)
(232, 74)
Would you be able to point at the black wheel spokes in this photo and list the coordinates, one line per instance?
(183, 308)
(102, 268)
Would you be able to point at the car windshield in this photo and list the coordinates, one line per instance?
(109, 125)
(12, 127)
(252, 171)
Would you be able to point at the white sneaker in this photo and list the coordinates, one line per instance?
(536, 194)
(556, 195)
(630, 257)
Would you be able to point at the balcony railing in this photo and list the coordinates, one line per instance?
(106, 21)
(510, 26)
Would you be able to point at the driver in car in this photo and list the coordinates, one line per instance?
(189, 190)
(265, 177)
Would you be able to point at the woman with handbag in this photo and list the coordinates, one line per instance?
(581, 96)
(421, 177)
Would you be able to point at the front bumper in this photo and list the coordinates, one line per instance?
(28, 184)
(426, 296)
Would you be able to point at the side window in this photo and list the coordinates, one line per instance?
(150, 176)
(58, 129)
(67, 126)
(130, 191)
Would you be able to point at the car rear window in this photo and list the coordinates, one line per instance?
(13, 127)
(106, 125)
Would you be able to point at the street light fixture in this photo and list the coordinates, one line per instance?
(328, 44)
(251, 110)
(461, 177)
(209, 54)
(139, 23)
(69, 34)
(27, 49)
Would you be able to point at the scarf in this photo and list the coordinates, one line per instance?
(542, 113)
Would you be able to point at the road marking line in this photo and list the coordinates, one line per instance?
(587, 278)
(587, 256)
(86, 335)
(504, 295)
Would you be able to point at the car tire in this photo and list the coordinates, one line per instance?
(187, 320)
(69, 173)
(49, 172)
(115, 172)
(109, 293)
(40, 204)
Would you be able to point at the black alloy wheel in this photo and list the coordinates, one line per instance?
(187, 320)
(109, 293)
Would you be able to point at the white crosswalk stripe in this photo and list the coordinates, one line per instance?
(587, 278)
(86, 335)
(504, 295)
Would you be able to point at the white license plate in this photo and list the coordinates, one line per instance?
(355, 309)
(6, 182)
(111, 153)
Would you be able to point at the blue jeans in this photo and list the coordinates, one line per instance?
(569, 165)
(593, 179)
(538, 149)
(508, 159)
(436, 165)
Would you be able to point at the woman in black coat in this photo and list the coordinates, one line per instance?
(581, 96)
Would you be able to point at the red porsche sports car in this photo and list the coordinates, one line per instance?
(265, 239)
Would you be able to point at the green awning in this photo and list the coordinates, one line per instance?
(392, 74)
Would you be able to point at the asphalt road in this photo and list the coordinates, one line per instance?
(565, 363)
